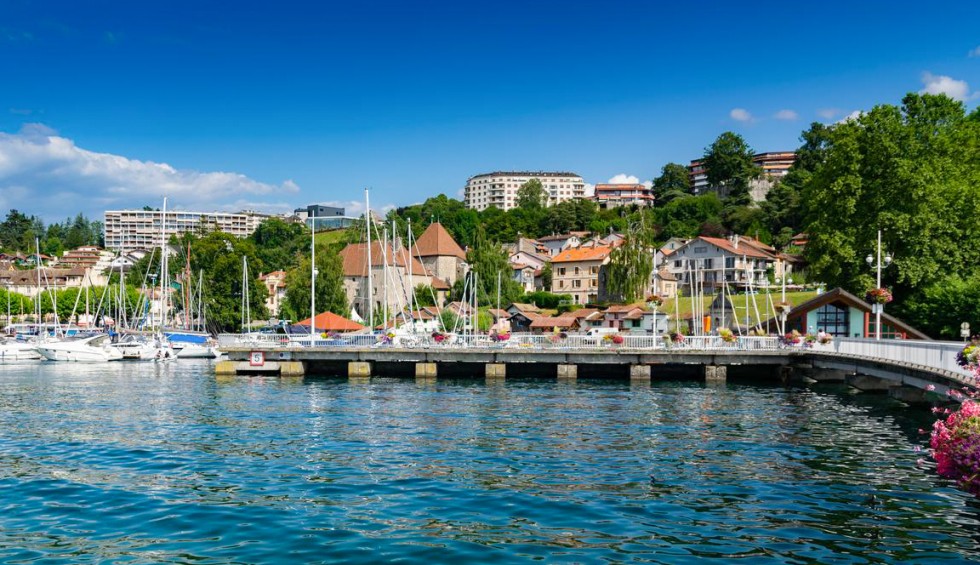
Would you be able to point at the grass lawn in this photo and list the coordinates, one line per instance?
(685, 305)
(329, 237)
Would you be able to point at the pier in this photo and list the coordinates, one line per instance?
(904, 369)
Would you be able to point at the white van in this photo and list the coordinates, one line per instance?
(601, 331)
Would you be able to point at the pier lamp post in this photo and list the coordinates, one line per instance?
(877, 265)
(783, 312)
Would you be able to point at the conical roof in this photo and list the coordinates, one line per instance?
(435, 241)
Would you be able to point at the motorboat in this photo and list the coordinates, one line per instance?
(198, 351)
(12, 351)
(144, 348)
(93, 349)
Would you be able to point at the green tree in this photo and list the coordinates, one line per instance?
(674, 182)
(531, 195)
(278, 243)
(729, 164)
(631, 266)
(330, 294)
(424, 295)
(940, 307)
(488, 260)
(911, 171)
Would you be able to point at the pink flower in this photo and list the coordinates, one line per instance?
(917, 449)
(931, 387)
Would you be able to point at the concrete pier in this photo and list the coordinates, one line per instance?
(567, 372)
(426, 370)
(359, 369)
(715, 374)
(496, 371)
(640, 373)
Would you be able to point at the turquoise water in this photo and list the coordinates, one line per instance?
(147, 463)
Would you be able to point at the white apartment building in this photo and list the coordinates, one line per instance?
(128, 230)
(499, 189)
(774, 164)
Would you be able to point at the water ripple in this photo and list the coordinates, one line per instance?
(139, 463)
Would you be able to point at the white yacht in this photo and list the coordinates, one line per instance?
(93, 349)
(12, 351)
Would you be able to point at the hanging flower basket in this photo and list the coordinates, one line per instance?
(878, 296)
(824, 339)
(727, 335)
(557, 338)
(438, 337)
(614, 339)
(783, 307)
(501, 336)
(793, 338)
(655, 301)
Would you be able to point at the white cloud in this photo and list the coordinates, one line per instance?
(788, 115)
(44, 174)
(828, 113)
(975, 52)
(740, 115)
(852, 116)
(621, 178)
(941, 84)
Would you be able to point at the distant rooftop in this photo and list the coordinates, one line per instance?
(527, 174)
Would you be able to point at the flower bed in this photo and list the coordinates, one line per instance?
(955, 440)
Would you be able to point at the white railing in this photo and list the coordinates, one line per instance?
(515, 341)
(936, 354)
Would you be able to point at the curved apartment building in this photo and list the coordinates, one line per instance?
(499, 188)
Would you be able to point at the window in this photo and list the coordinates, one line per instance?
(561, 284)
(833, 319)
(561, 271)
(577, 270)
(729, 262)
(678, 264)
(577, 283)
(702, 249)
(708, 263)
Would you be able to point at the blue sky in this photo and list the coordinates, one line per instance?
(223, 105)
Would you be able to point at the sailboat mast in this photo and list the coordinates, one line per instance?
(312, 275)
(370, 281)
(187, 290)
(163, 266)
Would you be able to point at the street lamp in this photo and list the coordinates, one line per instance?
(877, 265)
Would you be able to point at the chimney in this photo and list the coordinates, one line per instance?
(735, 241)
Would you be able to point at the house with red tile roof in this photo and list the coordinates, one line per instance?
(440, 253)
(737, 262)
(330, 322)
(579, 272)
(404, 273)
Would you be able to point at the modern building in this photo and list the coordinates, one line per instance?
(499, 189)
(128, 230)
(774, 165)
(326, 217)
(614, 195)
(840, 313)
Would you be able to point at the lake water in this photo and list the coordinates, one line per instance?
(147, 463)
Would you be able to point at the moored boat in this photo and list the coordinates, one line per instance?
(93, 349)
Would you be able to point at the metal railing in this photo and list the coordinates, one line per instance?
(514, 341)
(936, 354)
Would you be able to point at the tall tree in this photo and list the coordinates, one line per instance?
(631, 265)
(531, 195)
(729, 164)
(488, 260)
(674, 182)
(911, 171)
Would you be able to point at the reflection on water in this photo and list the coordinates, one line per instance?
(149, 463)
